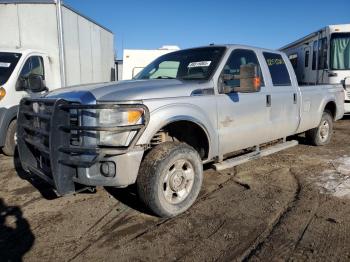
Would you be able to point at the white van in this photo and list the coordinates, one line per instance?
(46, 45)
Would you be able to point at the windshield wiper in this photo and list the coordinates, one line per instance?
(165, 77)
(191, 78)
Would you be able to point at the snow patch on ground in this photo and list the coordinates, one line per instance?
(336, 181)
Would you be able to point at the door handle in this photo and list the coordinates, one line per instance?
(295, 98)
(268, 100)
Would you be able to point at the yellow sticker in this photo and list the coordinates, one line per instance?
(274, 61)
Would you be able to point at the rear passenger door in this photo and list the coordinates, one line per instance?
(284, 98)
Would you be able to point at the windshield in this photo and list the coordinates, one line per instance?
(190, 64)
(8, 62)
(340, 51)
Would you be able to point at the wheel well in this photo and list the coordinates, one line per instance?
(331, 108)
(184, 131)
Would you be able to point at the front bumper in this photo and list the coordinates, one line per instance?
(55, 145)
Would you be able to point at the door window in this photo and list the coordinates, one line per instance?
(33, 66)
(238, 58)
(278, 69)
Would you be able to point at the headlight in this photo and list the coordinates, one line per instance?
(119, 117)
(2, 92)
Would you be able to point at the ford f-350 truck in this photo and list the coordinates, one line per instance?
(186, 108)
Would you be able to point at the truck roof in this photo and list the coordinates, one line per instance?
(53, 2)
(231, 46)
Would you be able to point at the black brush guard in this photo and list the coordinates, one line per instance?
(45, 129)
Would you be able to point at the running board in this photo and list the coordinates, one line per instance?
(231, 162)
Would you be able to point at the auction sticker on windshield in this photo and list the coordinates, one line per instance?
(7, 65)
(199, 64)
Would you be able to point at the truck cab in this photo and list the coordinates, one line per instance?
(22, 73)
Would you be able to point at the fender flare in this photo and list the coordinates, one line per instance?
(168, 114)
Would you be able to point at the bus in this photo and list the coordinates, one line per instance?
(323, 57)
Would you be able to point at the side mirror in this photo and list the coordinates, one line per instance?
(21, 84)
(249, 80)
(36, 83)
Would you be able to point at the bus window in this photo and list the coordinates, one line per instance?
(294, 60)
(322, 53)
(340, 51)
(314, 53)
(307, 57)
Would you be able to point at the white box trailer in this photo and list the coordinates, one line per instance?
(323, 57)
(134, 60)
(45, 45)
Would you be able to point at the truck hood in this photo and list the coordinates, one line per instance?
(130, 90)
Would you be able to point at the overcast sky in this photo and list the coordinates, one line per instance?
(265, 23)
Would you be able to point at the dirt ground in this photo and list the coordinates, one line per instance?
(294, 205)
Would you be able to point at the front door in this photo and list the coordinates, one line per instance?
(242, 117)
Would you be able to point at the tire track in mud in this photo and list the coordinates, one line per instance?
(293, 226)
(203, 229)
(119, 220)
(258, 242)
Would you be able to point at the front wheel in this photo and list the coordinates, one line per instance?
(170, 178)
(322, 134)
(11, 139)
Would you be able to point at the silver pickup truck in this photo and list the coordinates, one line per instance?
(186, 108)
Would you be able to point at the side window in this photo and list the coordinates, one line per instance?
(294, 60)
(238, 58)
(33, 66)
(278, 69)
(307, 57)
(314, 53)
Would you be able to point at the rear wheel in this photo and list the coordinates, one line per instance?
(322, 134)
(170, 178)
(11, 139)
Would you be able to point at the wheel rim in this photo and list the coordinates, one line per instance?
(324, 131)
(15, 138)
(178, 181)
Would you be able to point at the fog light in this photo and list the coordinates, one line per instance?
(108, 169)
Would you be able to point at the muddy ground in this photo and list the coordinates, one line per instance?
(294, 205)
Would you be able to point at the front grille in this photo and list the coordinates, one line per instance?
(55, 140)
(348, 95)
(39, 136)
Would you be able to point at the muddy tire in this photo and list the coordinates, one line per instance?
(10, 141)
(322, 134)
(170, 178)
